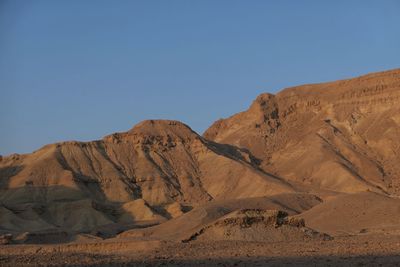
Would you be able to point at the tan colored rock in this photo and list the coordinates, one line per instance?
(126, 178)
(330, 142)
(341, 136)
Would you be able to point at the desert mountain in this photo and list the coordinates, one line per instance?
(151, 173)
(342, 136)
(306, 152)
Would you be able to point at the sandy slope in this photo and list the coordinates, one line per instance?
(356, 213)
(186, 225)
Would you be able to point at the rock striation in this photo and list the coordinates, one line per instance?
(297, 148)
(341, 136)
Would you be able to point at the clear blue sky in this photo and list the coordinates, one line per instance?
(78, 70)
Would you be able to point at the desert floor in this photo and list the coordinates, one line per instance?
(360, 250)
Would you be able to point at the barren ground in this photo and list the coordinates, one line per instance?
(361, 250)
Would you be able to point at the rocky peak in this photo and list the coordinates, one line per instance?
(156, 131)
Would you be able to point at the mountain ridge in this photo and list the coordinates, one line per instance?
(333, 116)
(323, 140)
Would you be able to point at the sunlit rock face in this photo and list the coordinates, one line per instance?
(341, 135)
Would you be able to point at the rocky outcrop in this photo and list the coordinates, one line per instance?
(257, 225)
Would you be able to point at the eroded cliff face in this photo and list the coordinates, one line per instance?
(164, 164)
(340, 136)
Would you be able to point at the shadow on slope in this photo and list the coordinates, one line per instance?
(54, 214)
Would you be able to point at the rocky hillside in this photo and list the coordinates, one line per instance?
(342, 136)
(164, 164)
(321, 139)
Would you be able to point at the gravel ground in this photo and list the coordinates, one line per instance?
(364, 250)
